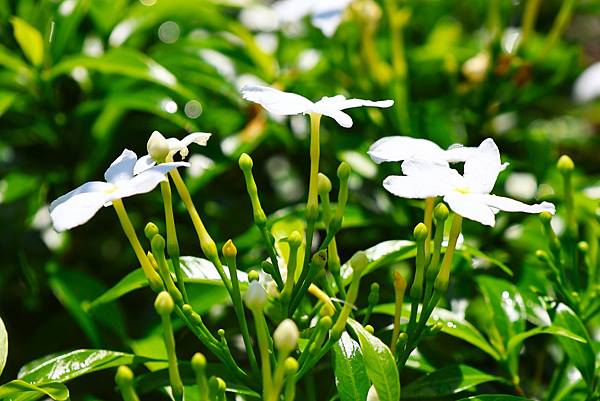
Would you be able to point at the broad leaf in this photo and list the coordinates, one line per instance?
(64, 367)
(379, 363)
(29, 39)
(517, 340)
(453, 325)
(494, 397)
(447, 381)
(382, 254)
(351, 377)
(581, 354)
(24, 390)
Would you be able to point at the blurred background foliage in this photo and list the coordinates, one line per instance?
(82, 79)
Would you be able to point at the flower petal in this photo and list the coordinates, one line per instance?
(276, 101)
(441, 173)
(471, 206)
(201, 138)
(340, 117)
(92, 186)
(145, 181)
(341, 103)
(413, 187)
(143, 164)
(483, 166)
(399, 148)
(458, 153)
(77, 209)
(511, 205)
(122, 168)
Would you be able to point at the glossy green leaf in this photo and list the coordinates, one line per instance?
(379, 363)
(582, 355)
(20, 388)
(453, 325)
(196, 271)
(515, 342)
(3, 345)
(64, 367)
(29, 39)
(494, 397)
(447, 381)
(351, 377)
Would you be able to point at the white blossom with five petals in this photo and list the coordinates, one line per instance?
(468, 194)
(400, 148)
(287, 104)
(81, 204)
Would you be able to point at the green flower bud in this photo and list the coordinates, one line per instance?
(294, 240)
(583, 246)
(359, 262)
(199, 362)
(325, 323)
(370, 328)
(327, 310)
(343, 171)
(290, 365)
(253, 276)
(324, 184)
(565, 164)
(164, 303)
(420, 232)
(151, 230)
(286, 335)
(441, 212)
(229, 249)
(124, 376)
(541, 255)
(158, 147)
(256, 296)
(158, 243)
(374, 294)
(546, 217)
(245, 162)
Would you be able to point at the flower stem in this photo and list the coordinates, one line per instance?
(317, 264)
(428, 219)
(172, 243)
(206, 242)
(558, 27)
(399, 288)
(152, 276)
(262, 336)
(441, 281)
(164, 307)
(124, 380)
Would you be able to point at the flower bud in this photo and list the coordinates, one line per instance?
(290, 365)
(158, 147)
(420, 232)
(245, 162)
(583, 246)
(343, 171)
(256, 296)
(325, 323)
(475, 69)
(359, 262)
(158, 243)
(372, 394)
(151, 230)
(399, 281)
(229, 249)
(441, 212)
(164, 303)
(565, 164)
(253, 276)
(198, 362)
(286, 335)
(370, 328)
(546, 217)
(124, 376)
(294, 240)
(327, 310)
(324, 184)
(541, 255)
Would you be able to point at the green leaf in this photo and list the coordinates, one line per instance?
(453, 325)
(581, 354)
(447, 381)
(29, 39)
(125, 62)
(56, 391)
(3, 345)
(198, 271)
(64, 367)
(17, 185)
(494, 397)
(6, 100)
(379, 363)
(351, 377)
(515, 342)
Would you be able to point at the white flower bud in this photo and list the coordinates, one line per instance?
(372, 394)
(256, 296)
(286, 336)
(158, 147)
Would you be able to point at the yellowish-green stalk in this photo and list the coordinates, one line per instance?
(399, 288)
(359, 263)
(278, 377)
(164, 306)
(124, 380)
(199, 367)
(291, 367)
(441, 281)
(558, 27)
(530, 13)
(262, 336)
(428, 220)
(152, 276)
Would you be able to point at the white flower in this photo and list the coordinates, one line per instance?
(256, 296)
(82, 203)
(587, 85)
(287, 104)
(160, 148)
(325, 15)
(399, 148)
(372, 394)
(286, 336)
(467, 195)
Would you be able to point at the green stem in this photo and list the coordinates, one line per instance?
(172, 243)
(428, 220)
(529, 17)
(263, 345)
(558, 27)
(152, 276)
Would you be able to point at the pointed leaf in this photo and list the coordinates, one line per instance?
(29, 39)
(447, 381)
(515, 342)
(56, 391)
(351, 377)
(379, 362)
